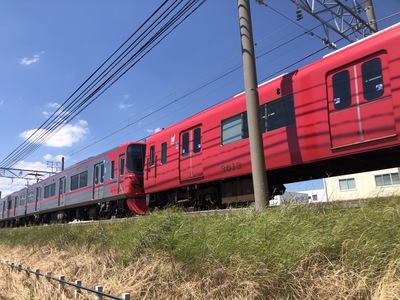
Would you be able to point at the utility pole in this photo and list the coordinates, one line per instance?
(260, 185)
(369, 10)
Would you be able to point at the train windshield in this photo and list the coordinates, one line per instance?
(135, 158)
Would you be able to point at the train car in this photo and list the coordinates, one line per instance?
(338, 115)
(99, 187)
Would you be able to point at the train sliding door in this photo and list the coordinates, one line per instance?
(360, 102)
(61, 191)
(98, 181)
(121, 172)
(190, 157)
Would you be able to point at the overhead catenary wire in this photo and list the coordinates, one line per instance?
(162, 24)
(125, 124)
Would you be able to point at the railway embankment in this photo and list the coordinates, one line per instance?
(325, 251)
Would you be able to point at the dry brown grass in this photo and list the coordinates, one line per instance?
(149, 277)
(155, 277)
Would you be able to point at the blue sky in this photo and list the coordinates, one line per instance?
(49, 48)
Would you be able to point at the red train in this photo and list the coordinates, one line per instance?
(336, 116)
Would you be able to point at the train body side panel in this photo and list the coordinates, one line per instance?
(309, 146)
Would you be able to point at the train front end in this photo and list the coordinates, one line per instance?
(133, 178)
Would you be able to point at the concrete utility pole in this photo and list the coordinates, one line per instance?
(253, 112)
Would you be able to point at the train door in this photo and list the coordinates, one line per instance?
(15, 206)
(98, 181)
(9, 206)
(151, 166)
(121, 172)
(360, 103)
(190, 158)
(61, 191)
(37, 199)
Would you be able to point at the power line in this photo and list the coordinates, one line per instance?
(162, 24)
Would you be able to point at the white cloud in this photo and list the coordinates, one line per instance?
(123, 105)
(31, 165)
(9, 186)
(55, 158)
(66, 137)
(154, 130)
(54, 106)
(26, 61)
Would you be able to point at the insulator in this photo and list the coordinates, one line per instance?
(299, 14)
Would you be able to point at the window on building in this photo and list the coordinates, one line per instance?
(341, 89)
(387, 179)
(163, 153)
(372, 79)
(347, 184)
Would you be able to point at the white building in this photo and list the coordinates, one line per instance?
(381, 183)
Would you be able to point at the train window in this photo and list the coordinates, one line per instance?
(102, 172)
(280, 113)
(21, 200)
(185, 144)
(234, 129)
(163, 153)
(387, 179)
(31, 197)
(372, 79)
(50, 190)
(79, 181)
(62, 185)
(197, 140)
(347, 184)
(341, 89)
(99, 173)
(135, 158)
(263, 119)
(96, 174)
(122, 166)
(152, 155)
(112, 170)
(245, 126)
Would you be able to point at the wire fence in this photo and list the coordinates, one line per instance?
(77, 285)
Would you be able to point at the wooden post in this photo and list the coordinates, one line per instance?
(77, 289)
(99, 289)
(126, 296)
(61, 284)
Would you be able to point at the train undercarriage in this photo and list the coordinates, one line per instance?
(98, 211)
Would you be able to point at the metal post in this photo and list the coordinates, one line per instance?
(252, 103)
(369, 10)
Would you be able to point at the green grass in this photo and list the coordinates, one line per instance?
(276, 243)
